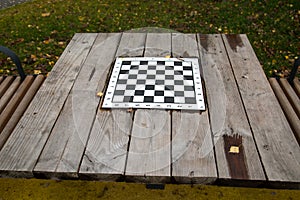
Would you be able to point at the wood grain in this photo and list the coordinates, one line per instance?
(106, 151)
(149, 157)
(149, 150)
(278, 148)
(227, 115)
(193, 158)
(63, 152)
(20, 153)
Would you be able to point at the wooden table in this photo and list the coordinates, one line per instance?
(243, 137)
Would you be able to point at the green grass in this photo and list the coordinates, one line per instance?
(39, 31)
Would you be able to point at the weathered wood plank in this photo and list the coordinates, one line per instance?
(149, 157)
(65, 147)
(9, 93)
(229, 122)
(20, 153)
(193, 158)
(149, 151)
(287, 108)
(5, 84)
(1, 79)
(278, 148)
(106, 151)
(9, 127)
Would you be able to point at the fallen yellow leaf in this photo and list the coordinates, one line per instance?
(99, 94)
(46, 14)
(36, 72)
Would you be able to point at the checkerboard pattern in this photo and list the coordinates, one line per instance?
(165, 83)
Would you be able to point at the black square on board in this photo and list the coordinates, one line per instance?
(119, 92)
(140, 81)
(132, 76)
(126, 62)
(187, 67)
(190, 100)
(150, 76)
(152, 67)
(142, 72)
(159, 93)
(177, 63)
(128, 99)
(169, 99)
(139, 92)
(159, 82)
(178, 82)
(160, 72)
(124, 71)
(148, 99)
(130, 87)
(179, 93)
(143, 62)
(188, 77)
(122, 81)
(134, 67)
(169, 87)
(178, 72)
(169, 77)
(149, 87)
(188, 88)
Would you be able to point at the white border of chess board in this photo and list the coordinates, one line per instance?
(200, 104)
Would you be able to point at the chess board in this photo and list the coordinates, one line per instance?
(155, 82)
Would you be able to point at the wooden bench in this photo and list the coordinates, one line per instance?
(287, 92)
(16, 92)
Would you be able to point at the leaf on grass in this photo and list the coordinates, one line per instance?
(36, 71)
(46, 14)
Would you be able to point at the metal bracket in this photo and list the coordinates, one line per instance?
(15, 59)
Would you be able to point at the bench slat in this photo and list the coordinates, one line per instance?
(291, 95)
(20, 109)
(287, 107)
(13, 103)
(297, 86)
(1, 79)
(9, 93)
(5, 84)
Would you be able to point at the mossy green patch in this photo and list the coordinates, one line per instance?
(76, 189)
